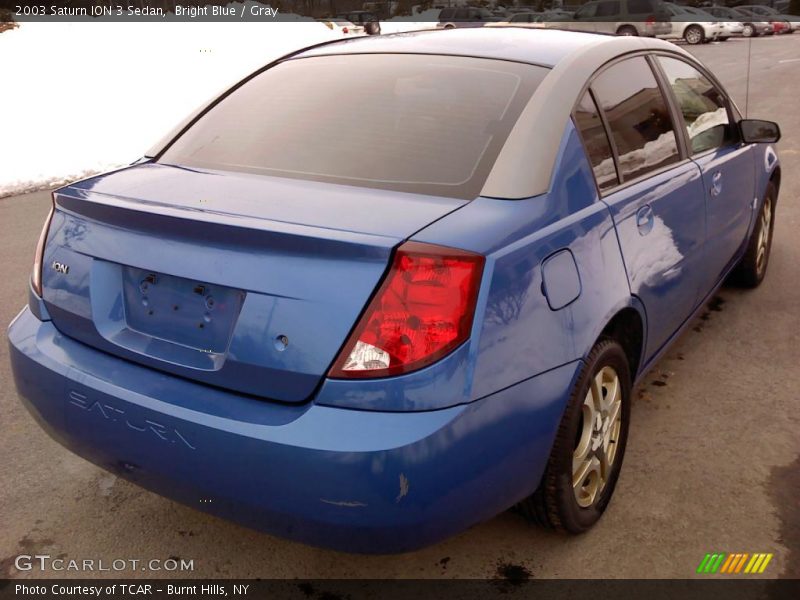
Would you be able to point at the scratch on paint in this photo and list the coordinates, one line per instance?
(403, 487)
(346, 503)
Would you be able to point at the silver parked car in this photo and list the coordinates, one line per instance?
(750, 27)
(622, 17)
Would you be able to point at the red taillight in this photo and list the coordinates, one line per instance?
(422, 311)
(651, 20)
(345, 30)
(36, 275)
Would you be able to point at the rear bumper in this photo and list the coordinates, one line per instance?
(359, 481)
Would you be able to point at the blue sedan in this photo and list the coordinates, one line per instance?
(369, 311)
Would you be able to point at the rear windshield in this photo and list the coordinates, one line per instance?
(414, 123)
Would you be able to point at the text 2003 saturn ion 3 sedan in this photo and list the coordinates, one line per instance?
(368, 312)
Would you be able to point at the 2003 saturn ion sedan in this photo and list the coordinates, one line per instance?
(367, 312)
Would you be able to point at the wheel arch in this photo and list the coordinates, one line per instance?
(775, 178)
(627, 327)
(627, 27)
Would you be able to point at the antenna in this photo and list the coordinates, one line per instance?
(747, 84)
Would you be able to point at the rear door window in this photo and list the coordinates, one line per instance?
(414, 123)
(596, 142)
(638, 117)
(704, 107)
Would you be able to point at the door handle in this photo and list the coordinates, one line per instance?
(716, 184)
(645, 219)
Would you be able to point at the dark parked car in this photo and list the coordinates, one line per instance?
(370, 312)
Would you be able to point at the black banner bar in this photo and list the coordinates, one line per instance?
(468, 13)
(733, 588)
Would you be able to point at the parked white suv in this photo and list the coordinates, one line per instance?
(622, 17)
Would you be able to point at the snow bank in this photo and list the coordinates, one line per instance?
(80, 98)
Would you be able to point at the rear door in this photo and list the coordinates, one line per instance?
(656, 196)
(726, 164)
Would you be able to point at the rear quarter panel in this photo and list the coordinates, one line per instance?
(516, 334)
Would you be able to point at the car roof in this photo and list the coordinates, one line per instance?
(506, 43)
(573, 58)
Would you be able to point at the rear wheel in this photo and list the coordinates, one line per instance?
(748, 30)
(752, 268)
(590, 444)
(694, 34)
(627, 30)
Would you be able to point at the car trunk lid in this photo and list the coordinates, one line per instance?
(246, 282)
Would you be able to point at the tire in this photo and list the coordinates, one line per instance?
(694, 34)
(752, 268)
(449, 26)
(556, 503)
(723, 39)
(627, 30)
(749, 31)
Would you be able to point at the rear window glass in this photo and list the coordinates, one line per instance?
(414, 123)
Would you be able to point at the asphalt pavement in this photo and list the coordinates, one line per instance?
(713, 459)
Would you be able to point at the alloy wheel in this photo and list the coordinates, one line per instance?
(597, 437)
(764, 233)
(694, 35)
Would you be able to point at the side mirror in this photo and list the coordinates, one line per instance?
(755, 131)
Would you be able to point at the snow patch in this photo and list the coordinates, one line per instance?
(81, 98)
